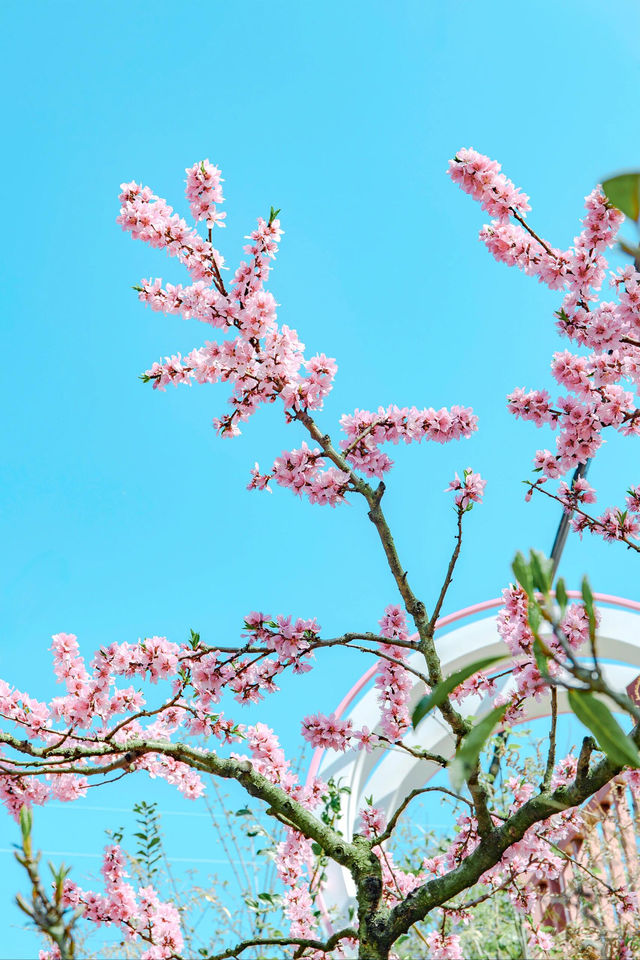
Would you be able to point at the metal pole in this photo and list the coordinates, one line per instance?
(563, 528)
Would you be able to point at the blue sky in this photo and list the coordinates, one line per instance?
(123, 515)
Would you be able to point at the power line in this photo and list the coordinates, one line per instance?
(98, 856)
(165, 813)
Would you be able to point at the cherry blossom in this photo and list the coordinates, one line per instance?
(597, 383)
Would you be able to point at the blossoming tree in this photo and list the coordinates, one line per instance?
(109, 720)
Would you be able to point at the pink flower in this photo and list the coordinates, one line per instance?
(204, 191)
(481, 177)
(469, 490)
(327, 732)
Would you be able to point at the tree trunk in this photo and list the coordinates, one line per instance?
(370, 950)
(373, 916)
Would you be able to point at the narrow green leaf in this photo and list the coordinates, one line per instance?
(541, 658)
(587, 597)
(440, 692)
(541, 570)
(561, 595)
(623, 192)
(522, 573)
(534, 616)
(26, 821)
(597, 717)
(467, 755)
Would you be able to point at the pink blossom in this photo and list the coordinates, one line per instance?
(444, 946)
(469, 490)
(481, 177)
(327, 732)
(135, 913)
(366, 739)
(204, 191)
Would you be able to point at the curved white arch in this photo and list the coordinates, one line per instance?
(388, 775)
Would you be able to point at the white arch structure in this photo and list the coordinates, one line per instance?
(388, 775)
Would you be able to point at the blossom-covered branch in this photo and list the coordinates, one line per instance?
(107, 721)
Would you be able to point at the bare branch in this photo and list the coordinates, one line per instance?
(324, 946)
(449, 575)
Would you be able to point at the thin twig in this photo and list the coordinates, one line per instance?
(551, 756)
(449, 576)
(386, 833)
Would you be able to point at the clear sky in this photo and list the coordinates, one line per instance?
(123, 514)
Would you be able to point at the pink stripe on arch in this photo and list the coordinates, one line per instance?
(473, 610)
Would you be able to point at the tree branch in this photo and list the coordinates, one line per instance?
(551, 756)
(345, 853)
(386, 833)
(323, 946)
(489, 851)
(449, 576)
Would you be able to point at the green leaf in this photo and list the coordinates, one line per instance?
(466, 758)
(522, 573)
(587, 597)
(317, 849)
(561, 595)
(541, 570)
(623, 192)
(534, 616)
(597, 717)
(26, 822)
(541, 658)
(442, 690)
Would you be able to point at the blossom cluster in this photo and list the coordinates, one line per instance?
(613, 524)
(94, 699)
(468, 491)
(198, 676)
(393, 681)
(514, 629)
(204, 191)
(147, 217)
(139, 914)
(366, 431)
(482, 178)
(300, 471)
(602, 384)
(294, 854)
(261, 360)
